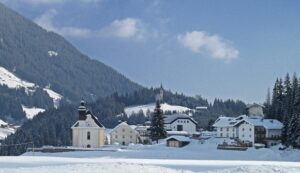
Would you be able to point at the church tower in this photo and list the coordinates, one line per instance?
(82, 110)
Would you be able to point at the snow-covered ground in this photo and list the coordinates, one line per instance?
(32, 112)
(195, 157)
(38, 164)
(54, 95)
(151, 107)
(12, 81)
(52, 53)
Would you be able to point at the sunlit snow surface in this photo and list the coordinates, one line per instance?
(12, 81)
(195, 157)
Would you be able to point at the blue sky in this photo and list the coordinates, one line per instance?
(225, 49)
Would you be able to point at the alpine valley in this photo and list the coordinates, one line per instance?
(43, 78)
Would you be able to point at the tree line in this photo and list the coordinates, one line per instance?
(284, 105)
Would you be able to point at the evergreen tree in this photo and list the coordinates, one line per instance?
(157, 124)
(294, 94)
(287, 98)
(293, 131)
(267, 104)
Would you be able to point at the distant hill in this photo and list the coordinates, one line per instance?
(48, 61)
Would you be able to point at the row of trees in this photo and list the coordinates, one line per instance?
(284, 105)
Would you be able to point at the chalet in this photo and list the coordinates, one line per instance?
(226, 126)
(124, 134)
(177, 141)
(87, 132)
(180, 122)
(249, 129)
(259, 130)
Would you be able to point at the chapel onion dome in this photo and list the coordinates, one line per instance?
(82, 110)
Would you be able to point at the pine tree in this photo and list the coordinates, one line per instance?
(157, 124)
(294, 94)
(287, 98)
(267, 104)
(293, 130)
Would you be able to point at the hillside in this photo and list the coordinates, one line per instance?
(52, 127)
(40, 69)
(47, 59)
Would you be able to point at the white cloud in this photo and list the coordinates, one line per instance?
(217, 47)
(125, 28)
(46, 21)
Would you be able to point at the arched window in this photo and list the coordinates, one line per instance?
(88, 135)
(88, 146)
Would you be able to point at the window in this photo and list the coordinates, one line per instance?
(221, 135)
(130, 131)
(221, 129)
(88, 146)
(123, 136)
(250, 129)
(123, 130)
(243, 129)
(88, 135)
(116, 136)
(249, 136)
(227, 129)
(179, 128)
(130, 137)
(187, 121)
(242, 135)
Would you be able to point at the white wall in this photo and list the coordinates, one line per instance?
(124, 134)
(187, 125)
(246, 132)
(80, 133)
(227, 132)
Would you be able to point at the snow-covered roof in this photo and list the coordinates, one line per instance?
(254, 120)
(266, 123)
(179, 138)
(228, 121)
(2, 122)
(177, 133)
(123, 124)
(173, 117)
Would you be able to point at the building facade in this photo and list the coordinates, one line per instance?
(180, 122)
(250, 129)
(123, 134)
(87, 132)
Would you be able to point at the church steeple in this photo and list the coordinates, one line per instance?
(160, 95)
(82, 110)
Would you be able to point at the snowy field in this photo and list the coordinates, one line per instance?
(195, 157)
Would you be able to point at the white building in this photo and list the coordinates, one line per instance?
(258, 130)
(180, 122)
(144, 133)
(249, 129)
(226, 126)
(124, 134)
(255, 109)
(87, 132)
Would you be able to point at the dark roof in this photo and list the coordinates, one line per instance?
(169, 119)
(94, 118)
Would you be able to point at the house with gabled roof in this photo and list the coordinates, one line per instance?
(124, 134)
(87, 131)
(180, 122)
